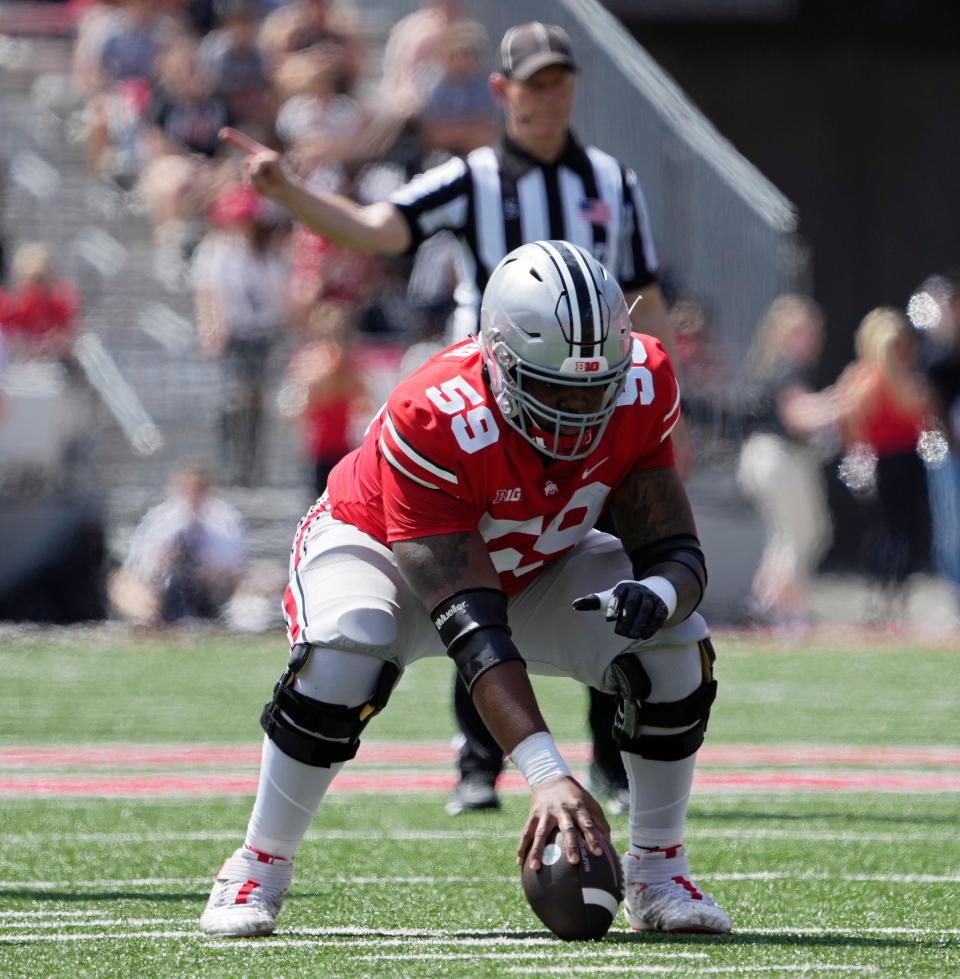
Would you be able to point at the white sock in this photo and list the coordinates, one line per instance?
(656, 866)
(287, 797)
(659, 791)
(290, 791)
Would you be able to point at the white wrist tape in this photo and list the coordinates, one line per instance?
(663, 590)
(538, 759)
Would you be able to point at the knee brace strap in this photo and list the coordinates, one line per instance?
(634, 710)
(332, 730)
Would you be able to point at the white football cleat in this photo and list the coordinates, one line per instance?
(660, 896)
(247, 895)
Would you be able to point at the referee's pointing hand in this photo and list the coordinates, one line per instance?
(262, 167)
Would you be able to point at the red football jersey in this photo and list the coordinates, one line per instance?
(440, 458)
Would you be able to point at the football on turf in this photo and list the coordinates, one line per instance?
(576, 901)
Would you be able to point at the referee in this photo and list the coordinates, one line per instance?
(537, 183)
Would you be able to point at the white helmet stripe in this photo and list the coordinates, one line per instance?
(581, 289)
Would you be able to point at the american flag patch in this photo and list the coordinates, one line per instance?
(595, 211)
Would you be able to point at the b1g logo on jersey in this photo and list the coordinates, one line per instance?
(514, 495)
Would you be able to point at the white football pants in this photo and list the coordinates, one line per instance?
(353, 605)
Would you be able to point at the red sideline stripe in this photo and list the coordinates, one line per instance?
(211, 785)
(440, 753)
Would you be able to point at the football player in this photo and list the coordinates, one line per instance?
(464, 525)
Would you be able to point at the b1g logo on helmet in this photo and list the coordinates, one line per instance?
(584, 365)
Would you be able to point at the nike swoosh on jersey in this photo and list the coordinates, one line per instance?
(596, 465)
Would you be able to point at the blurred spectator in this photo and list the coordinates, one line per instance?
(186, 558)
(941, 365)
(317, 123)
(779, 467)
(329, 392)
(241, 274)
(133, 40)
(94, 24)
(180, 142)
(702, 371)
(38, 315)
(414, 54)
(324, 272)
(388, 314)
(318, 25)
(116, 56)
(886, 404)
(459, 113)
(232, 62)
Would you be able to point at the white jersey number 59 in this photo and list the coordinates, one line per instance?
(475, 427)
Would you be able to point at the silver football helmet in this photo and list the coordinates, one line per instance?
(551, 313)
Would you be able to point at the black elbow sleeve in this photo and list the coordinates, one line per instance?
(473, 626)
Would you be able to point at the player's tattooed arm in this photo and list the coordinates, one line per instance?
(438, 566)
(652, 505)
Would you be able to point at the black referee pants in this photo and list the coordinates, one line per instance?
(480, 756)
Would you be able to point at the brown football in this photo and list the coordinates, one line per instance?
(576, 901)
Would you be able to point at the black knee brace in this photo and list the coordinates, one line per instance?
(634, 710)
(332, 731)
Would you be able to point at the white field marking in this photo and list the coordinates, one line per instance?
(840, 878)
(51, 914)
(200, 836)
(107, 936)
(447, 937)
(49, 885)
(607, 952)
(431, 881)
(101, 922)
(714, 970)
(345, 941)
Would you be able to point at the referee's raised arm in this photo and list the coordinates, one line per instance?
(376, 227)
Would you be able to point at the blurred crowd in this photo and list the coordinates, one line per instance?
(160, 78)
(887, 432)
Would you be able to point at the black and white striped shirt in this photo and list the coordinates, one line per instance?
(500, 197)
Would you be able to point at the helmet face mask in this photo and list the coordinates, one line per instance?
(551, 314)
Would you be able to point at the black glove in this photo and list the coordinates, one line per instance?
(637, 611)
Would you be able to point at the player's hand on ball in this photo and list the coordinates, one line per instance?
(565, 803)
(637, 611)
(263, 167)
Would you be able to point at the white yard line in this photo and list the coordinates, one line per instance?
(715, 970)
(431, 881)
(466, 937)
(457, 835)
(51, 914)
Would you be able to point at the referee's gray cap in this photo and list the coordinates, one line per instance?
(527, 48)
